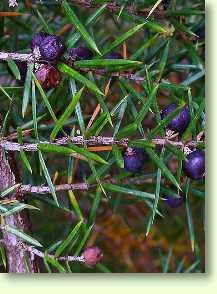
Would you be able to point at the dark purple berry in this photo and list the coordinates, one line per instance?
(80, 53)
(174, 202)
(200, 32)
(48, 76)
(194, 165)
(37, 39)
(134, 159)
(114, 55)
(51, 48)
(92, 255)
(180, 122)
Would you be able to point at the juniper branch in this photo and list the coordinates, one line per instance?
(78, 140)
(93, 141)
(28, 189)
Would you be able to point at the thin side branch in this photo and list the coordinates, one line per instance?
(17, 56)
(113, 7)
(35, 251)
(102, 72)
(25, 189)
(178, 144)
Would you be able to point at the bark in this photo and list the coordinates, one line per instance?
(17, 256)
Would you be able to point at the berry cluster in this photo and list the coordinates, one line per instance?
(48, 49)
(193, 166)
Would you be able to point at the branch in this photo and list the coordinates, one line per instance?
(178, 144)
(17, 56)
(113, 7)
(35, 251)
(93, 141)
(102, 72)
(78, 140)
(23, 57)
(25, 189)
